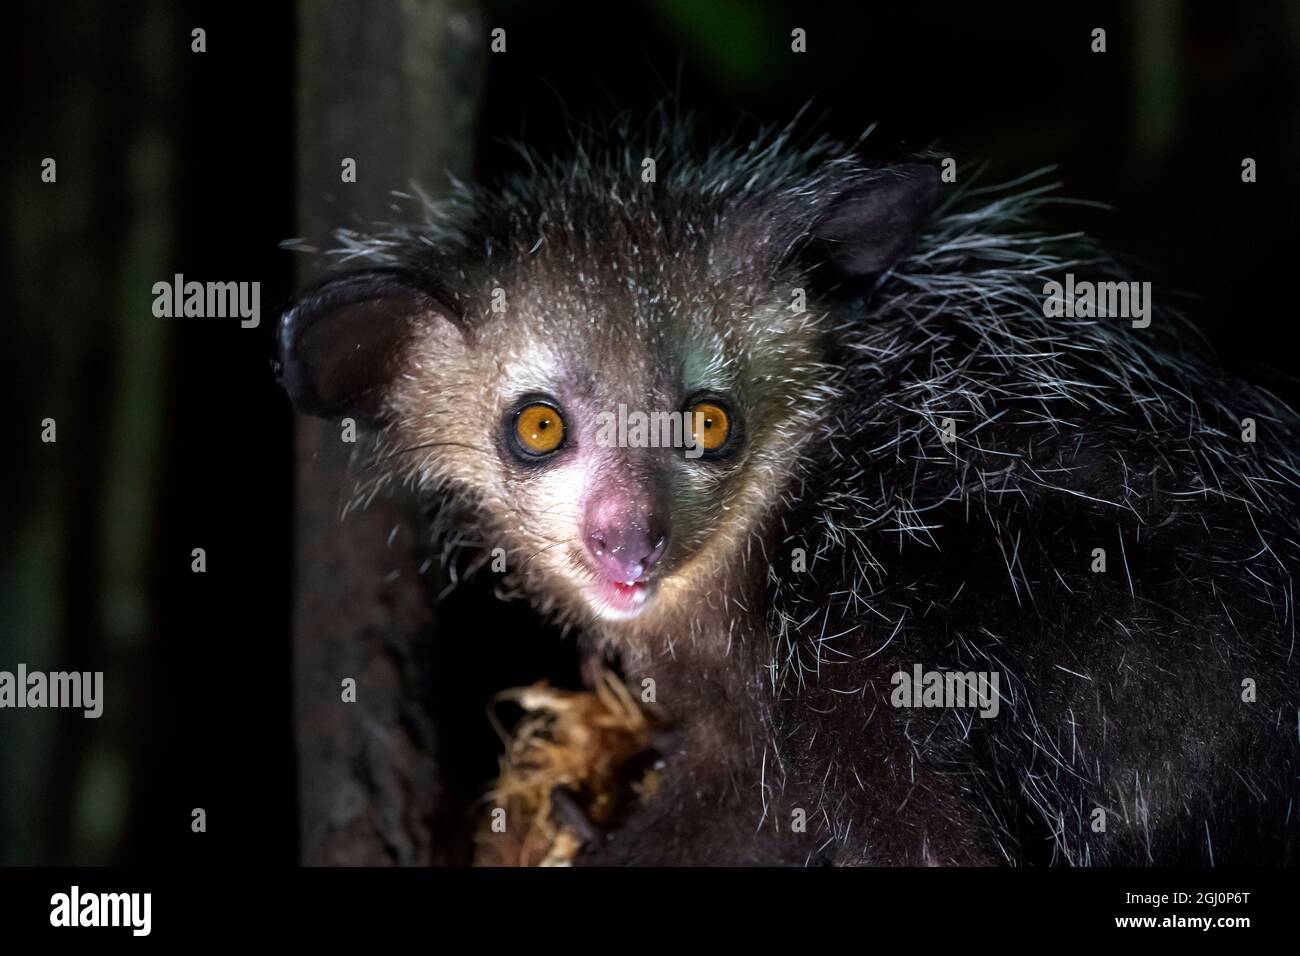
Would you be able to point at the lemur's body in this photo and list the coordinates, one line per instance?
(774, 586)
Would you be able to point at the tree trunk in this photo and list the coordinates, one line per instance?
(392, 85)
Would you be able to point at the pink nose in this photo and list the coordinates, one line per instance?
(624, 543)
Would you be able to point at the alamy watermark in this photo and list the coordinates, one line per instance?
(922, 688)
(75, 908)
(637, 429)
(208, 300)
(1084, 300)
(74, 689)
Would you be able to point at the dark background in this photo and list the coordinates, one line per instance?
(174, 435)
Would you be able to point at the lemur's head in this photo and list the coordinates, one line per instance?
(617, 375)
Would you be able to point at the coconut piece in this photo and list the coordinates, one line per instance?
(573, 764)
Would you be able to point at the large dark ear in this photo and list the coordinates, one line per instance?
(872, 224)
(342, 343)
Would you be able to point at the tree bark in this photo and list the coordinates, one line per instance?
(394, 86)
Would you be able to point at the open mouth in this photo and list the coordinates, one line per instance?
(619, 600)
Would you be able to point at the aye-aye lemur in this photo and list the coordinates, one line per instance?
(938, 563)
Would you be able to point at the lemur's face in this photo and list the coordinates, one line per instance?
(617, 440)
(621, 385)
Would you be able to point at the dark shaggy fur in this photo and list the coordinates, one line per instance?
(1121, 691)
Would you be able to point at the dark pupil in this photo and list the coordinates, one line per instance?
(544, 424)
(708, 423)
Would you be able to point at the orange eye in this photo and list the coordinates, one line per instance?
(539, 429)
(710, 425)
